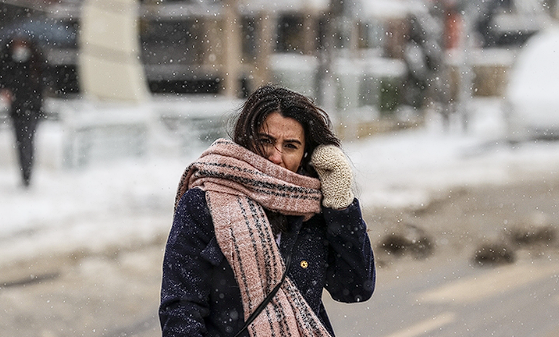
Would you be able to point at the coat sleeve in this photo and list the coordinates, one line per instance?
(185, 285)
(351, 271)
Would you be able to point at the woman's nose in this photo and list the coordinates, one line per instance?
(275, 156)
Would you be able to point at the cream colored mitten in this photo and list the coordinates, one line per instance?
(335, 176)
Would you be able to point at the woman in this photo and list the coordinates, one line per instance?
(248, 210)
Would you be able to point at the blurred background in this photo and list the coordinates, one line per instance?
(402, 53)
(363, 60)
(438, 102)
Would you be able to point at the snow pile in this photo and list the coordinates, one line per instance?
(534, 82)
(410, 168)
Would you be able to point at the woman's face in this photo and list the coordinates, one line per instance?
(283, 141)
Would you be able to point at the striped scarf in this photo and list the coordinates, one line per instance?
(238, 184)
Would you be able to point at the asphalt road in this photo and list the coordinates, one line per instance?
(456, 299)
(442, 293)
(452, 292)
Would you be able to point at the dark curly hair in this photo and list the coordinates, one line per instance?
(268, 99)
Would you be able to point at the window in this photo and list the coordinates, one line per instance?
(290, 33)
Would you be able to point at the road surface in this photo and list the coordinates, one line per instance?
(116, 292)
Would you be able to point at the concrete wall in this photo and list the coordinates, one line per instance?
(109, 65)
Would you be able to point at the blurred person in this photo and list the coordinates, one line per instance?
(423, 56)
(21, 85)
(263, 224)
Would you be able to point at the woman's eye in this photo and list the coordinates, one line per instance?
(291, 146)
(266, 141)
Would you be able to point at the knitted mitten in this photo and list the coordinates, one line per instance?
(335, 176)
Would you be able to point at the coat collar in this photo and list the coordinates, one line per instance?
(288, 238)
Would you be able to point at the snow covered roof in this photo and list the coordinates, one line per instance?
(365, 8)
(390, 8)
(283, 5)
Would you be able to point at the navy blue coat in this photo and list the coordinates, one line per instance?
(200, 296)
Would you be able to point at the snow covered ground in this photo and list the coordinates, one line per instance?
(130, 202)
(408, 168)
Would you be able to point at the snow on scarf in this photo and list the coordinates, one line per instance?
(238, 183)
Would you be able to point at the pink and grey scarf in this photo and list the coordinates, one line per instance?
(238, 184)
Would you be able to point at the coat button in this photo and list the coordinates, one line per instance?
(304, 264)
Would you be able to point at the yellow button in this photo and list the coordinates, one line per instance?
(304, 264)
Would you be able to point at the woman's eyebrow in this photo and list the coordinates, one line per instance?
(290, 140)
(294, 140)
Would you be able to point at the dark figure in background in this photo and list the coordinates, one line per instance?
(21, 85)
(423, 58)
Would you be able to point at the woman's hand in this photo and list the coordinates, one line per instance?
(335, 176)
